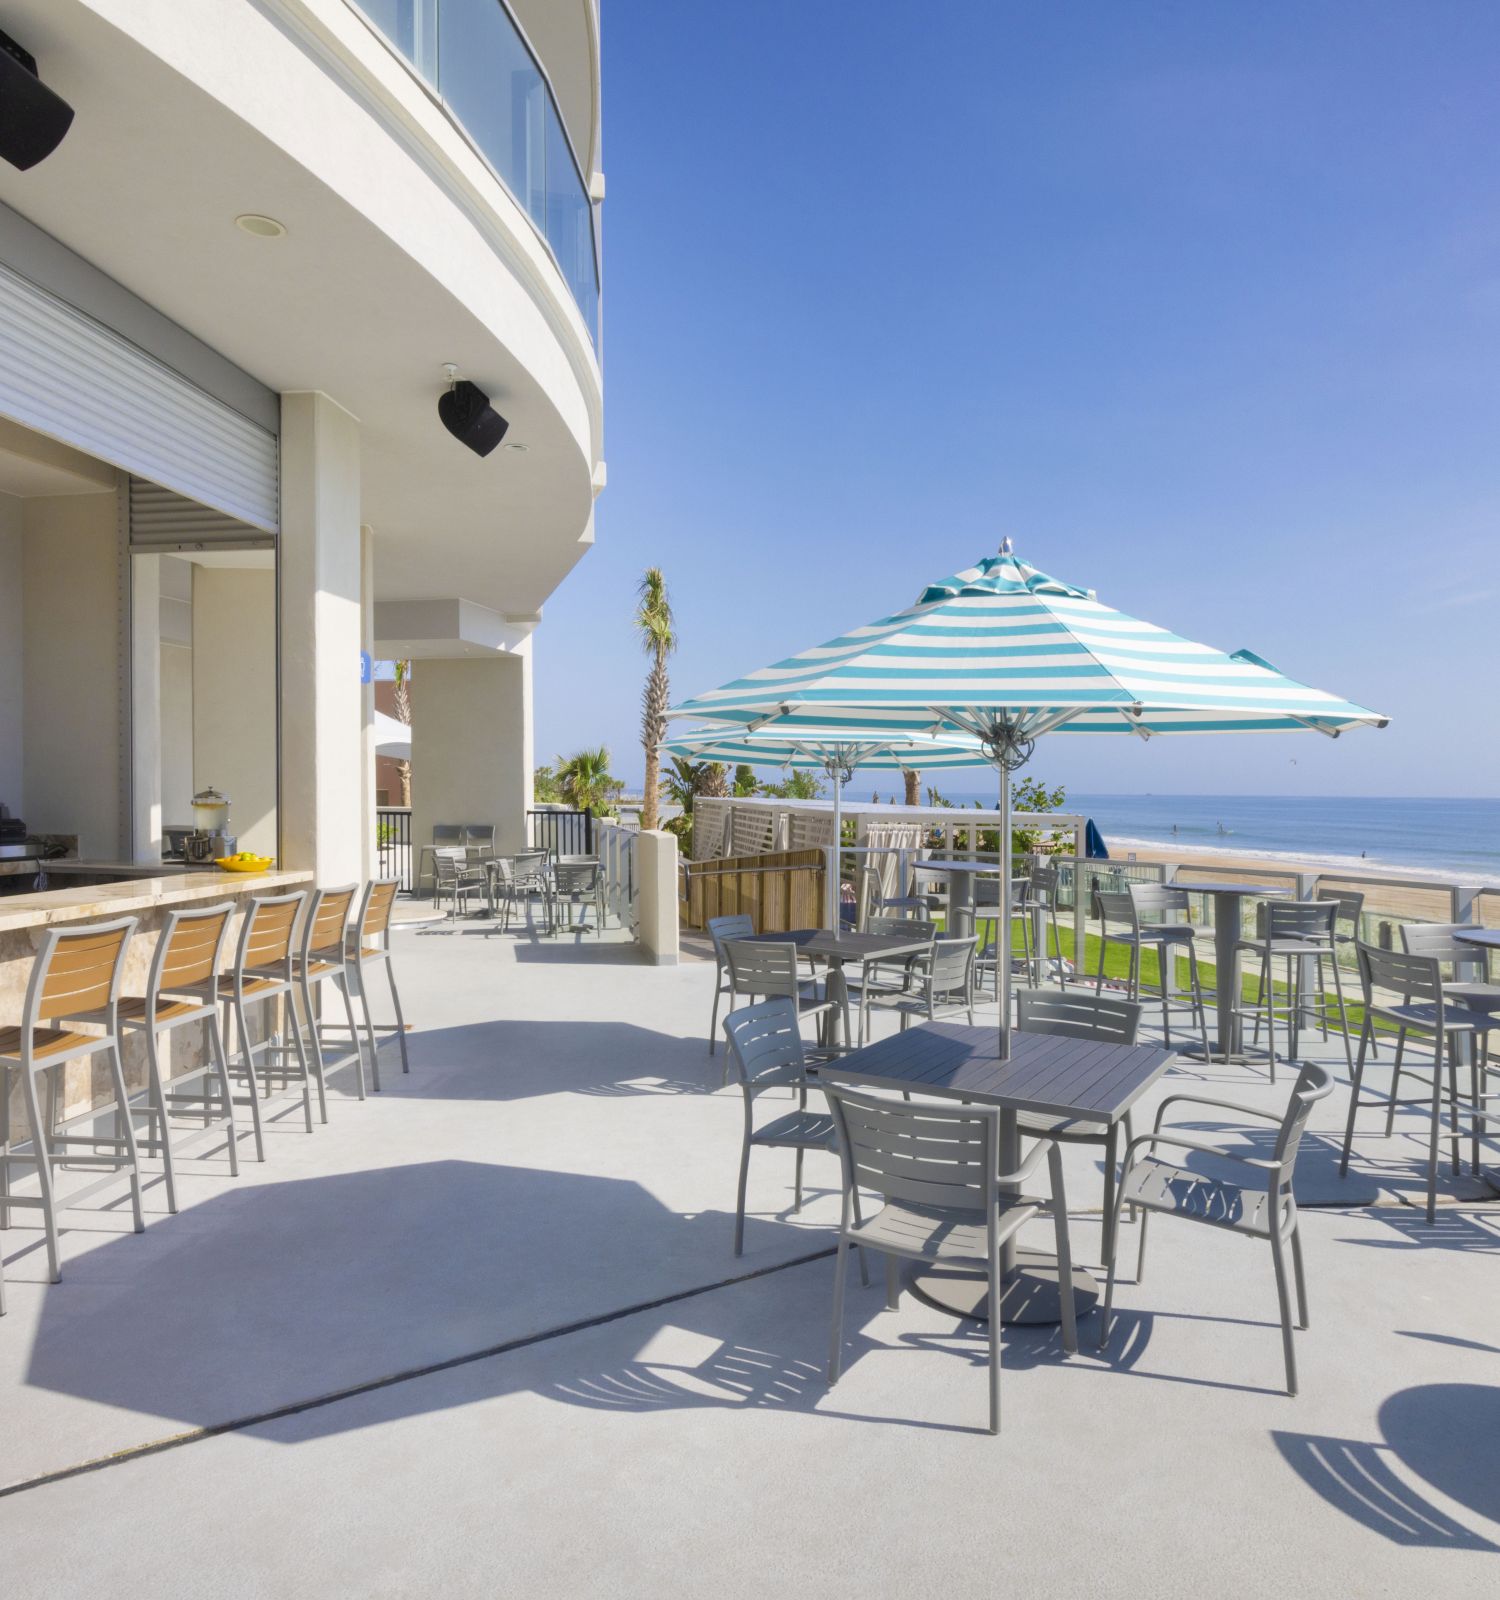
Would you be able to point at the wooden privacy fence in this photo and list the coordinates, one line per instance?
(780, 889)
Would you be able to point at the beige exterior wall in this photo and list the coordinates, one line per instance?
(73, 670)
(656, 878)
(234, 697)
(471, 746)
(12, 610)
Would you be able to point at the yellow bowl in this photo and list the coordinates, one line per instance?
(254, 864)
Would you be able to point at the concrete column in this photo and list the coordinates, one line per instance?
(145, 708)
(367, 705)
(322, 818)
(471, 747)
(656, 888)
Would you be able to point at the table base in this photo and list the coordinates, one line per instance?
(1029, 1295)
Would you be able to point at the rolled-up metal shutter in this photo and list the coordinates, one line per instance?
(165, 523)
(70, 377)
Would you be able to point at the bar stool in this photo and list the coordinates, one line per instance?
(74, 979)
(1038, 904)
(182, 987)
(322, 959)
(1130, 911)
(1295, 931)
(369, 945)
(263, 971)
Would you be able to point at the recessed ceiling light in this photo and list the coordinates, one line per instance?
(261, 227)
(520, 447)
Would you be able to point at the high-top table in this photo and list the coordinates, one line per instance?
(1045, 1074)
(1480, 938)
(1226, 897)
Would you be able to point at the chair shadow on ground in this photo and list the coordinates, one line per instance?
(1447, 1435)
(514, 1059)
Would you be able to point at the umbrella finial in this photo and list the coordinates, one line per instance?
(1006, 547)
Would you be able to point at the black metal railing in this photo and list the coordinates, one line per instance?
(393, 844)
(564, 833)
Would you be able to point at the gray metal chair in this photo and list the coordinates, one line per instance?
(1261, 1206)
(322, 957)
(719, 929)
(75, 980)
(1079, 1015)
(1039, 902)
(1142, 917)
(767, 969)
(454, 875)
(532, 876)
(942, 982)
(937, 1170)
(577, 885)
(1294, 932)
(882, 975)
(1425, 1008)
(766, 1052)
(182, 989)
(1347, 924)
(987, 915)
(1436, 939)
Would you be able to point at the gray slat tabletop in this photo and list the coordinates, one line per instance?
(1046, 1074)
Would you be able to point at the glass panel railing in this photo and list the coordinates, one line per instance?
(471, 54)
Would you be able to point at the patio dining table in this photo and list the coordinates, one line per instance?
(1045, 1074)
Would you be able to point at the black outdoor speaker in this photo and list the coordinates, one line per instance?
(33, 119)
(468, 415)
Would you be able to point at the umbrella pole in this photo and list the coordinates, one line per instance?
(1003, 942)
(835, 906)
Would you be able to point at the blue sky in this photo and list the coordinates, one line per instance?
(1199, 303)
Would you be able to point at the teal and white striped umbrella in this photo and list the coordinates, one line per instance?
(1006, 654)
(838, 752)
(1004, 643)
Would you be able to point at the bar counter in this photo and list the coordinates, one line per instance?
(25, 919)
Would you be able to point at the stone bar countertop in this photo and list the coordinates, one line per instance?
(168, 886)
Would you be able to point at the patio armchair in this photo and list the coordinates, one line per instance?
(1079, 1015)
(454, 876)
(1142, 917)
(765, 969)
(1261, 1205)
(766, 1051)
(942, 982)
(1429, 1008)
(937, 1170)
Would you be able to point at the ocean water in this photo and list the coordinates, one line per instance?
(1453, 839)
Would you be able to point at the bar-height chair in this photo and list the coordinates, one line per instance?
(987, 915)
(322, 957)
(1078, 1015)
(1038, 903)
(75, 980)
(766, 1052)
(1262, 1206)
(263, 974)
(1294, 931)
(766, 969)
(720, 929)
(942, 982)
(369, 946)
(1142, 917)
(937, 1170)
(1436, 939)
(1347, 923)
(182, 988)
(1426, 1008)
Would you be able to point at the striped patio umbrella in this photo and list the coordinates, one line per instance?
(1005, 653)
(838, 753)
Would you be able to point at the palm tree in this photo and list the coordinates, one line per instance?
(653, 621)
(913, 786)
(403, 715)
(585, 781)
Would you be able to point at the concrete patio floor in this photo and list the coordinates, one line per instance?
(543, 1211)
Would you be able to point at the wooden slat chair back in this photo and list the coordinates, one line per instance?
(327, 921)
(79, 970)
(190, 949)
(1076, 1015)
(375, 914)
(266, 937)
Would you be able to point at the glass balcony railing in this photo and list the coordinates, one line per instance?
(472, 56)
